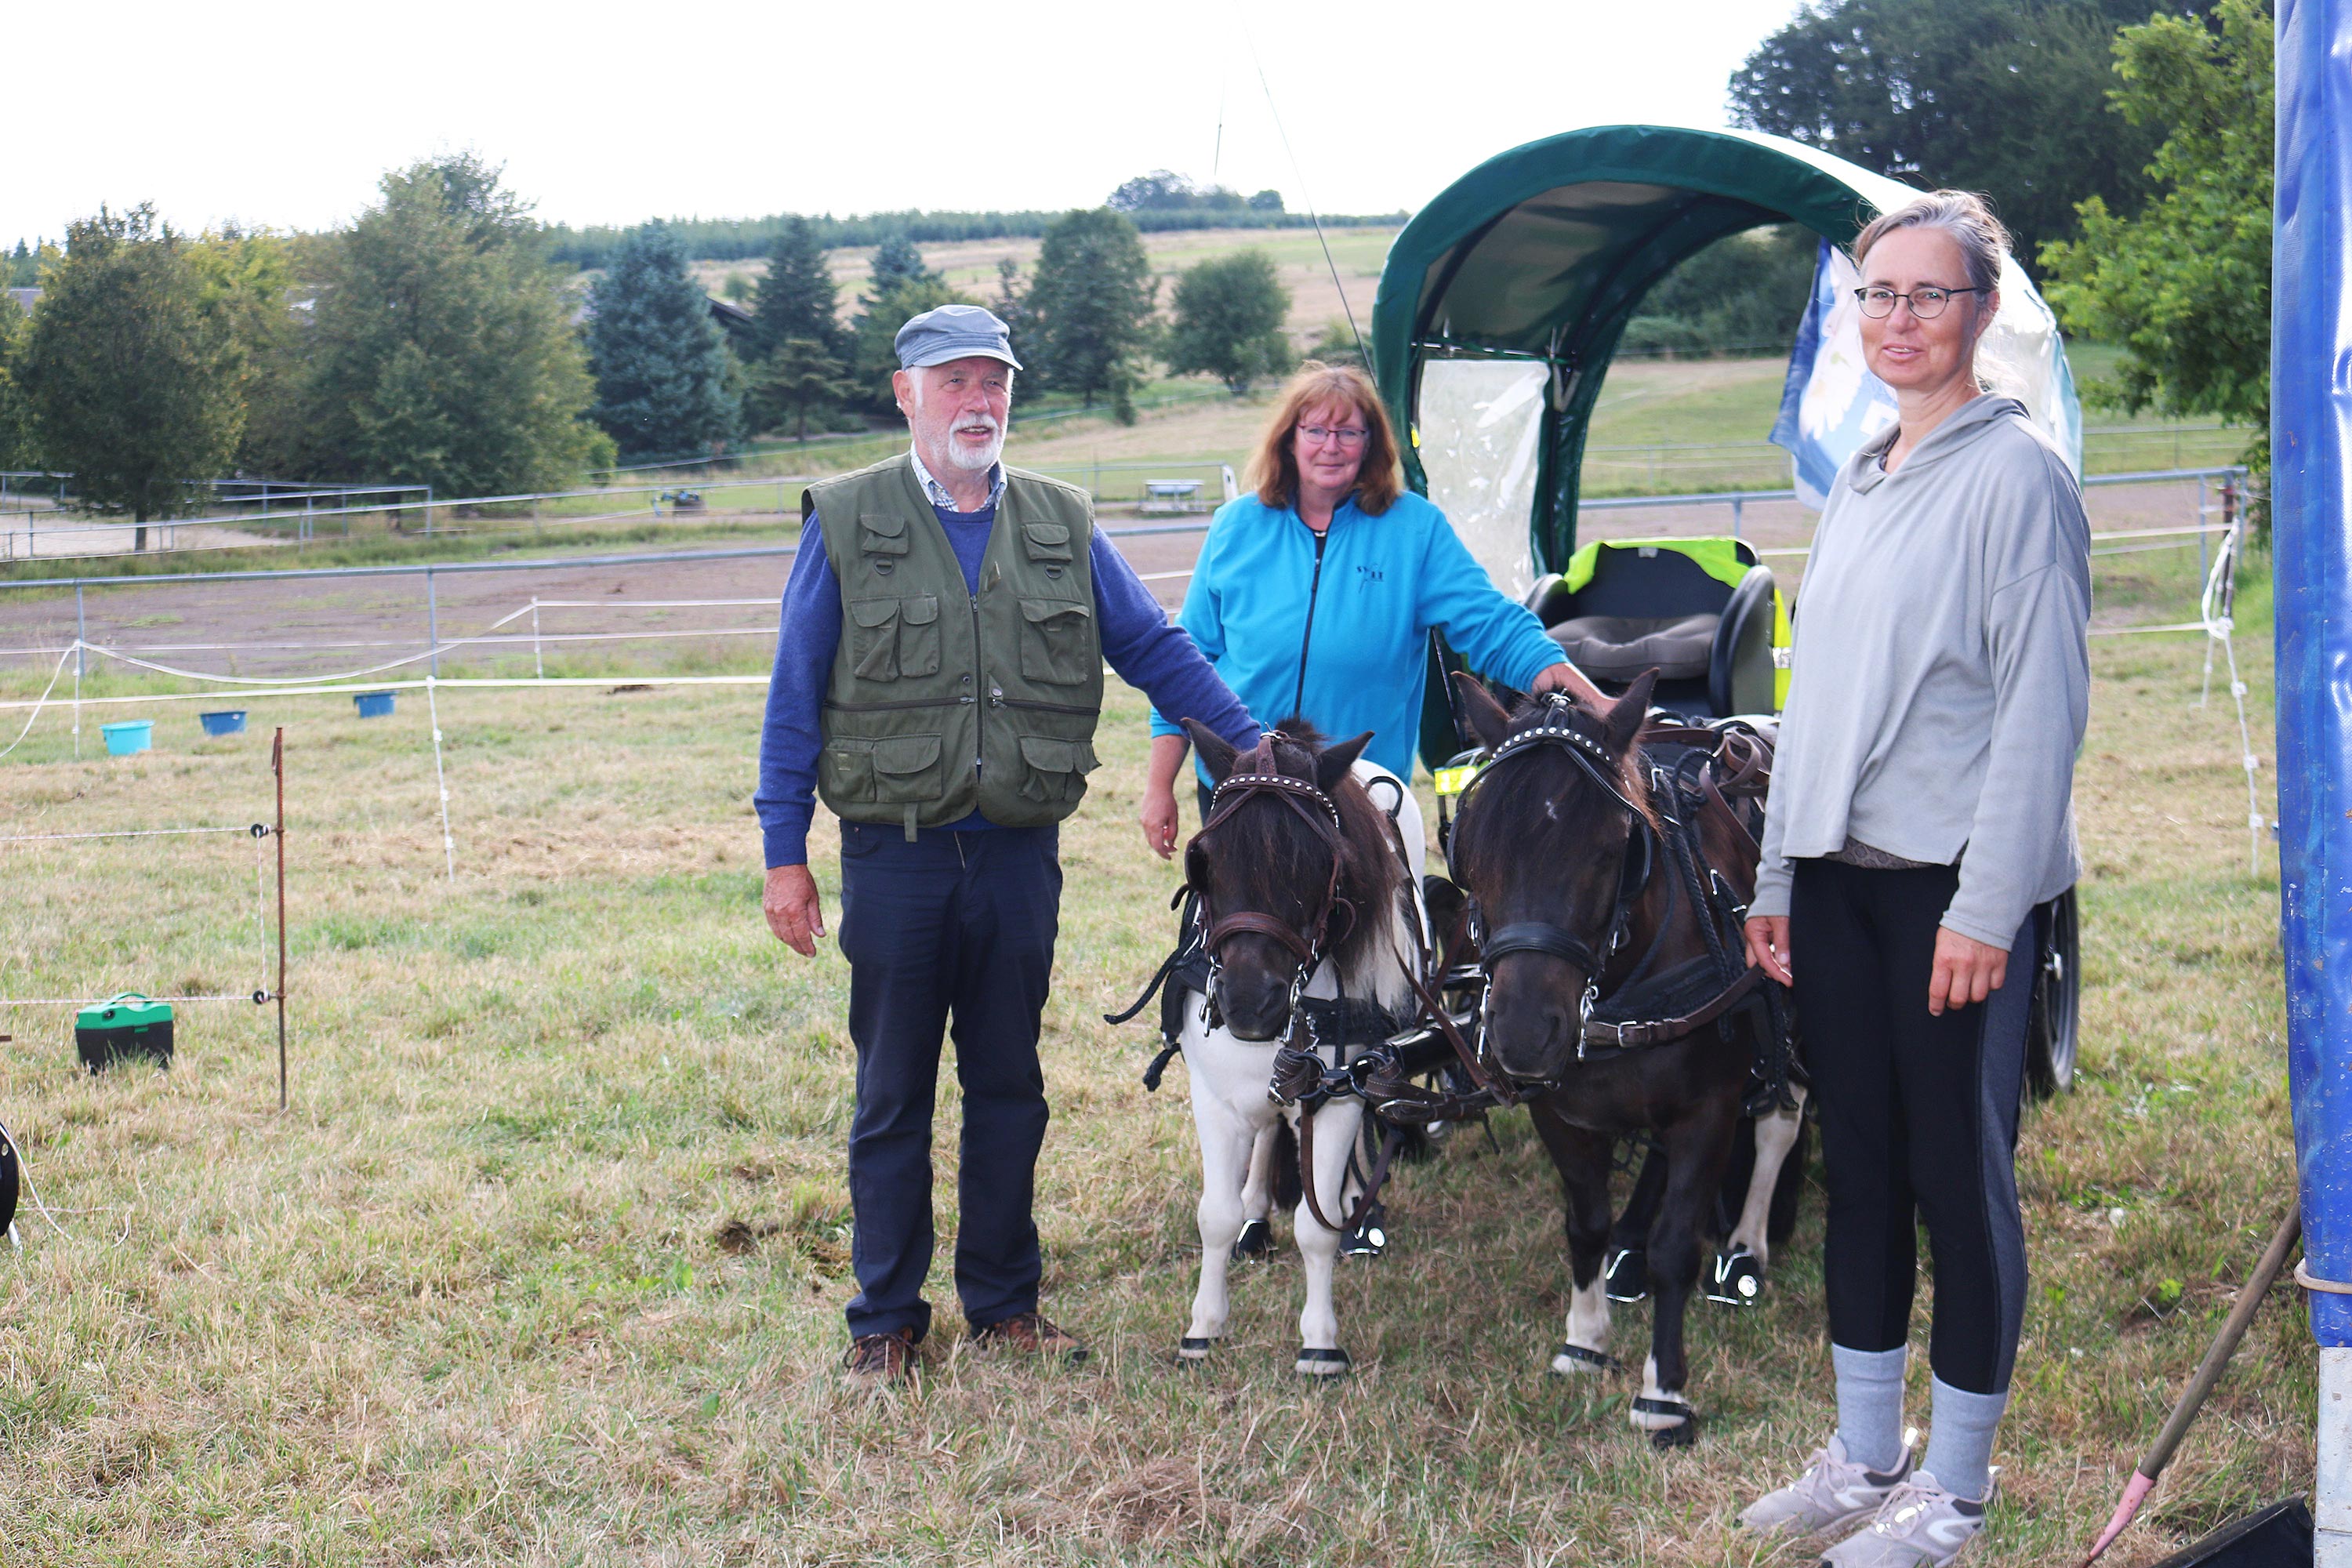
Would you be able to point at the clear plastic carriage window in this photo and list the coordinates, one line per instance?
(1479, 424)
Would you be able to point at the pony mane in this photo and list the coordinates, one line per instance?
(1556, 810)
(1268, 846)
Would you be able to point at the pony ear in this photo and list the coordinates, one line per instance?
(1623, 720)
(1333, 764)
(1216, 755)
(1488, 720)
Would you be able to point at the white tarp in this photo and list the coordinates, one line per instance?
(1480, 421)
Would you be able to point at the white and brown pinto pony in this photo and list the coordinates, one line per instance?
(1309, 888)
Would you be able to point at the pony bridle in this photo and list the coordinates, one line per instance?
(1555, 730)
(1254, 773)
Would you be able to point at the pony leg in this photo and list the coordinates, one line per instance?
(1697, 1149)
(1225, 1142)
(1256, 1237)
(1776, 1134)
(1583, 1159)
(1336, 1126)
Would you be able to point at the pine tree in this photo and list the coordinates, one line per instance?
(796, 297)
(443, 347)
(659, 363)
(873, 350)
(897, 263)
(131, 381)
(1091, 303)
(801, 377)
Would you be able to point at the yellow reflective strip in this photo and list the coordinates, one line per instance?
(1454, 781)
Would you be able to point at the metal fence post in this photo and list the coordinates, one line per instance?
(432, 622)
(538, 661)
(1737, 503)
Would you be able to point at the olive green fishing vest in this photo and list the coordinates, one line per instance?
(944, 701)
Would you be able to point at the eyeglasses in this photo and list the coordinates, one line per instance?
(1925, 303)
(1345, 435)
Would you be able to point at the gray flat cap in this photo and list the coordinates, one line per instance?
(953, 331)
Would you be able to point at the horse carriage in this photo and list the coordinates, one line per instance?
(1582, 957)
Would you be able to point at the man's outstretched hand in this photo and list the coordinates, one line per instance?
(790, 902)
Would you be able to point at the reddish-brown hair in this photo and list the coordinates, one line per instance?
(1274, 470)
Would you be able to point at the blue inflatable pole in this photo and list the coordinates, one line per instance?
(2311, 509)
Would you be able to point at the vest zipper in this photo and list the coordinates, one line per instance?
(979, 730)
(996, 698)
(891, 707)
(1306, 638)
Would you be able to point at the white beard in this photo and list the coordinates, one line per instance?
(971, 461)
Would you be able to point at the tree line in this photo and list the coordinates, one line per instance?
(437, 341)
(739, 239)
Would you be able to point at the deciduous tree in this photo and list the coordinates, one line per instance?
(443, 348)
(659, 361)
(2185, 286)
(132, 379)
(1229, 316)
(2002, 96)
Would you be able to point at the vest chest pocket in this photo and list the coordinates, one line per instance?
(890, 638)
(1057, 641)
(1055, 771)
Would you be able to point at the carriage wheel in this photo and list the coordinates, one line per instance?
(2054, 1024)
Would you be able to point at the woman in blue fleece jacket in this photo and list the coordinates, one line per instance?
(1315, 594)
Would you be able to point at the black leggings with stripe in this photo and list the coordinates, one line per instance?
(1918, 1118)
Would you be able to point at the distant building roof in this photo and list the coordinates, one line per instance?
(25, 298)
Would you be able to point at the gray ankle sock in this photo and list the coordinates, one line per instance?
(1870, 1404)
(1959, 1439)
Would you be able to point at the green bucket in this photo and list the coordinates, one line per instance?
(122, 1027)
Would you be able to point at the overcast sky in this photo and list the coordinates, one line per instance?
(276, 113)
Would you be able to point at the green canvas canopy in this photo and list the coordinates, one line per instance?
(1521, 276)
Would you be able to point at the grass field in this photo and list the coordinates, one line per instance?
(546, 1263)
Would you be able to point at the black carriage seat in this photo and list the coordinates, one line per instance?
(1644, 604)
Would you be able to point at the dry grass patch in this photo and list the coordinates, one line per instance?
(546, 1264)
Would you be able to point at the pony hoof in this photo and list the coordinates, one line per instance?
(1575, 1361)
(1256, 1240)
(1191, 1352)
(1737, 1279)
(1625, 1274)
(1332, 1362)
(1670, 1422)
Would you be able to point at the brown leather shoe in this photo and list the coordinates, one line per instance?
(880, 1360)
(1033, 1332)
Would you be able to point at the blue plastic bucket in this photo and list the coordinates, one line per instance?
(130, 736)
(228, 721)
(373, 704)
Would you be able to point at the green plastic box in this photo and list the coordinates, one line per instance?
(123, 1026)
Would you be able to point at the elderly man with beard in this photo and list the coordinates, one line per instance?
(939, 675)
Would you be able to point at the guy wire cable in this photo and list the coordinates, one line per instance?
(1354, 331)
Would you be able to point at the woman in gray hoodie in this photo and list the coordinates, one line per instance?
(1920, 811)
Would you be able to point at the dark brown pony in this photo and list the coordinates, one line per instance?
(1557, 845)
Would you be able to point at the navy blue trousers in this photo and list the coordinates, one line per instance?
(951, 934)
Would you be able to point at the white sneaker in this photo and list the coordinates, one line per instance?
(1833, 1492)
(1920, 1525)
